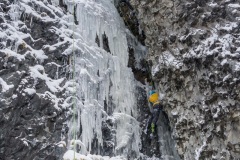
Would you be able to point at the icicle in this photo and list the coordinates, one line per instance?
(103, 77)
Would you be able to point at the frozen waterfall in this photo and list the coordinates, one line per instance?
(105, 85)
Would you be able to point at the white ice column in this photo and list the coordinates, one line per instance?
(100, 74)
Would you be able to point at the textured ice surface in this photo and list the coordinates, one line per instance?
(101, 76)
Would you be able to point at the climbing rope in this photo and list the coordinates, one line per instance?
(75, 88)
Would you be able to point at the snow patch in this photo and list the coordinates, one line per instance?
(37, 71)
(168, 59)
(229, 26)
(71, 155)
(54, 99)
(234, 5)
(14, 96)
(5, 86)
(224, 62)
(213, 4)
(237, 66)
(199, 150)
(10, 53)
(61, 144)
(30, 91)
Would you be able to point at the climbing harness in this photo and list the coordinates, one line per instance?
(157, 102)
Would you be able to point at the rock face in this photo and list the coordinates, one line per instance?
(33, 88)
(195, 58)
(194, 50)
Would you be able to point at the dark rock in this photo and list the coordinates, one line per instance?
(105, 43)
(97, 40)
(30, 123)
(1, 19)
(139, 74)
(108, 138)
(206, 45)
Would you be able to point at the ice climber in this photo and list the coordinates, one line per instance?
(157, 108)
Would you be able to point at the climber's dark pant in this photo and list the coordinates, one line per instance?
(155, 115)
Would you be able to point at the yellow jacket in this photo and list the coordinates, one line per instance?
(153, 98)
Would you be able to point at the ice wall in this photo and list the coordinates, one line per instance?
(105, 85)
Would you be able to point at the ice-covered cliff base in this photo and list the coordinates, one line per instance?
(71, 154)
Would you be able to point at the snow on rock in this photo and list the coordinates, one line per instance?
(199, 150)
(33, 83)
(234, 5)
(194, 49)
(30, 91)
(5, 86)
(10, 53)
(38, 72)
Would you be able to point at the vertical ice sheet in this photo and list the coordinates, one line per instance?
(101, 75)
(167, 143)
